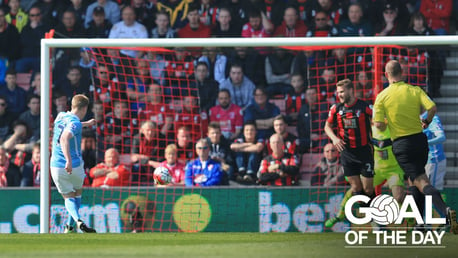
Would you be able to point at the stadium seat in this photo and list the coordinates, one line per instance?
(309, 160)
(23, 80)
(279, 101)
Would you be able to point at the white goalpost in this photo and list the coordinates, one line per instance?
(47, 44)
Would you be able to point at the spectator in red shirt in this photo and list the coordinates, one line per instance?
(279, 168)
(437, 14)
(258, 26)
(194, 28)
(185, 149)
(110, 173)
(147, 150)
(192, 117)
(295, 100)
(291, 26)
(157, 110)
(228, 115)
(321, 27)
(175, 167)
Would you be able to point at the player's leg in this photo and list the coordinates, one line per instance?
(366, 156)
(356, 185)
(62, 181)
(412, 155)
(395, 181)
(436, 173)
(340, 216)
(422, 182)
(368, 186)
(77, 180)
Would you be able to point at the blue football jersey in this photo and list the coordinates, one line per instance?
(66, 121)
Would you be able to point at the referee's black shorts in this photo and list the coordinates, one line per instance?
(411, 152)
(358, 161)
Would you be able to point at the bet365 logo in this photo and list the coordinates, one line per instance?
(385, 210)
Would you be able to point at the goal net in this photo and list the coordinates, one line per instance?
(145, 98)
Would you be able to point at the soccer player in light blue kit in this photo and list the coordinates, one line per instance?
(436, 165)
(67, 168)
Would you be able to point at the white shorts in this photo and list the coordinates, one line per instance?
(66, 183)
(436, 173)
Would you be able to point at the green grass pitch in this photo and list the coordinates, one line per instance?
(204, 245)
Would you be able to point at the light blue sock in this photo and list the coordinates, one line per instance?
(78, 202)
(71, 221)
(71, 206)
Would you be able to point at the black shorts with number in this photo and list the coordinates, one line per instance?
(358, 161)
(411, 152)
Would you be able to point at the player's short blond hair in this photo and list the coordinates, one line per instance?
(112, 150)
(80, 101)
(171, 148)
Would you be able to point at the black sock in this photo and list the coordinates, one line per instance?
(440, 205)
(419, 198)
(361, 204)
(359, 193)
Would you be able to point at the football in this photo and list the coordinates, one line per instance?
(162, 176)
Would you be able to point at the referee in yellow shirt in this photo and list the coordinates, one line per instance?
(400, 105)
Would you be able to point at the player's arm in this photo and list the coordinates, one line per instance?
(97, 171)
(239, 146)
(267, 24)
(65, 145)
(215, 176)
(267, 174)
(339, 143)
(437, 131)
(253, 147)
(378, 114)
(188, 175)
(429, 118)
(153, 163)
(88, 123)
(291, 168)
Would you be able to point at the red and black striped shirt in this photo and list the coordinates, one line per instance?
(353, 123)
(294, 102)
(289, 165)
